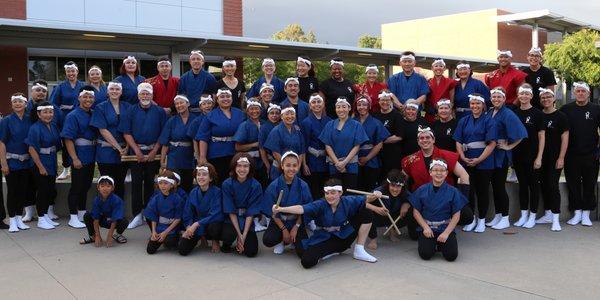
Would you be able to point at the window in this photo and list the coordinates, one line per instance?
(80, 65)
(104, 64)
(42, 68)
(148, 68)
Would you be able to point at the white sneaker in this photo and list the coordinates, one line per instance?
(503, 224)
(13, 225)
(258, 227)
(20, 223)
(361, 254)
(75, 223)
(279, 248)
(471, 226)
(66, 173)
(576, 218)
(555, 222)
(51, 213)
(512, 177)
(494, 221)
(136, 222)
(43, 223)
(128, 176)
(531, 221)
(524, 217)
(585, 218)
(546, 218)
(480, 226)
(49, 220)
(29, 213)
(330, 255)
(80, 215)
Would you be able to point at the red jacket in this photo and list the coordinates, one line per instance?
(509, 80)
(414, 166)
(161, 95)
(437, 92)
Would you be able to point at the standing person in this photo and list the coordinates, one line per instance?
(475, 138)
(207, 104)
(371, 88)
(274, 118)
(110, 144)
(266, 99)
(315, 166)
(305, 72)
(141, 126)
(196, 81)
(467, 85)
(65, 96)
(129, 78)
(336, 87)
(441, 87)
(44, 141)
(164, 85)
(286, 136)
(507, 77)
(342, 138)
(246, 139)
(100, 88)
(528, 156)
(215, 134)
(292, 87)
(581, 161)
(408, 84)
(445, 125)
(411, 123)
(509, 133)
(80, 138)
(16, 161)
(556, 125)
(236, 86)
(242, 196)
(538, 75)
(177, 151)
(269, 77)
(392, 121)
(368, 160)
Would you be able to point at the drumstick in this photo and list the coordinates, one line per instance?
(134, 158)
(365, 193)
(390, 228)
(279, 199)
(382, 205)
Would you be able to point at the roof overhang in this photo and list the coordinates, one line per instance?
(547, 20)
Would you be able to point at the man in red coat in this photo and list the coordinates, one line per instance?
(506, 76)
(440, 87)
(164, 85)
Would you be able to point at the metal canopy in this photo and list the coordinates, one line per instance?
(547, 20)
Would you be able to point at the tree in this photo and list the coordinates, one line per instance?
(369, 41)
(294, 33)
(576, 57)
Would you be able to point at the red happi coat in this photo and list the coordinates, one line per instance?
(414, 166)
(163, 96)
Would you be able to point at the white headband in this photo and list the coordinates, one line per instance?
(371, 68)
(182, 97)
(410, 56)
(144, 86)
(497, 91)
(412, 104)
(265, 86)
(206, 99)
(71, 66)
(243, 159)
(223, 91)
(476, 97)
(289, 153)
(18, 97)
(333, 188)
(425, 130)
(167, 179)
(342, 101)
(438, 61)
(163, 62)
(336, 62)
(304, 60)
(115, 84)
(460, 66)
(289, 108)
(384, 94)
(535, 50)
(507, 53)
(290, 79)
(40, 108)
(41, 86)
(129, 58)
(94, 68)
(525, 90)
(363, 99)
(229, 63)
(267, 61)
(112, 181)
(315, 98)
(84, 92)
(394, 182)
(437, 162)
(253, 103)
(543, 91)
(202, 169)
(177, 176)
(444, 102)
(196, 52)
(582, 85)
(272, 107)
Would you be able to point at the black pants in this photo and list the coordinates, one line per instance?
(316, 182)
(81, 180)
(529, 186)
(499, 190)
(480, 182)
(550, 177)
(118, 173)
(273, 236)
(2, 209)
(17, 183)
(428, 246)
(64, 154)
(581, 173)
(170, 242)
(313, 253)
(349, 181)
(46, 191)
(368, 178)
(250, 244)
(261, 176)
(221, 165)
(213, 232)
(31, 190)
(381, 221)
(89, 224)
(142, 184)
(187, 179)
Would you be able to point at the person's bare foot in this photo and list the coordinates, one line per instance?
(203, 242)
(394, 237)
(372, 244)
(215, 247)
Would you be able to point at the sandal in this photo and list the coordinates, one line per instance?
(119, 238)
(86, 240)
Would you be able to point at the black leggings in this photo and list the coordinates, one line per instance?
(550, 177)
(529, 186)
(187, 179)
(273, 236)
(480, 182)
(499, 190)
(118, 173)
(17, 183)
(428, 247)
(368, 178)
(89, 224)
(213, 232)
(381, 221)
(81, 180)
(316, 182)
(229, 235)
(46, 191)
(170, 242)
(2, 209)
(581, 173)
(142, 184)
(349, 180)
(313, 253)
(221, 165)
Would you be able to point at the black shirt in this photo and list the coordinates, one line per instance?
(409, 135)
(236, 92)
(308, 86)
(443, 134)
(392, 121)
(583, 127)
(543, 77)
(533, 120)
(555, 124)
(333, 89)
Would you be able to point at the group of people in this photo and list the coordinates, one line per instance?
(212, 161)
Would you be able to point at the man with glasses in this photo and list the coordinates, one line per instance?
(538, 76)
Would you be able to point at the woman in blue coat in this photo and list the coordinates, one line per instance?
(467, 85)
(130, 78)
(246, 139)
(273, 119)
(315, 166)
(269, 77)
(286, 136)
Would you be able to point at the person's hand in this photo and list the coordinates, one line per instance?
(151, 156)
(163, 163)
(560, 163)
(77, 163)
(97, 240)
(109, 241)
(382, 211)
(140, 156)
(293, 234)
(340, 166)
(202, 160)
(188, 233)
(162, 236)
(502, 145)
(404, 210)
(240, 243)
(43, 171)
(443, 237)
(362, 161)
(216, 247)
(5, 169)
(286, 236)
(537, 164)
(427, 232)
(154, 236)
(377, 194)
(276, 209)
(122, 151)
(306, 171)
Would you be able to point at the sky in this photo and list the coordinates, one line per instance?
(335, 23)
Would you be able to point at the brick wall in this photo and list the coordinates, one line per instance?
(13, 9)
(13, 59)
(233, 25)
(518, 39)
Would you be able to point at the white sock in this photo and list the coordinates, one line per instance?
(361, 254)
(13, 225)
(524, 217)
(279, 248)
(502, 224)
(480, 226)
(494, 221)
(530, 221)
(555, 222)
(585, 218)
(471, 226)
(20, 223)
(576, 218)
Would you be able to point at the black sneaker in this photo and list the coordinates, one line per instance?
(3, 225)
(226, 248)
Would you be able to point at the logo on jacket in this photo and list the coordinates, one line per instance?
(538, 79)
(528, 120)
(587, 115)
(311, 86)
(549, 124)
(385, 124)
(349, 90)
(448, 131)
